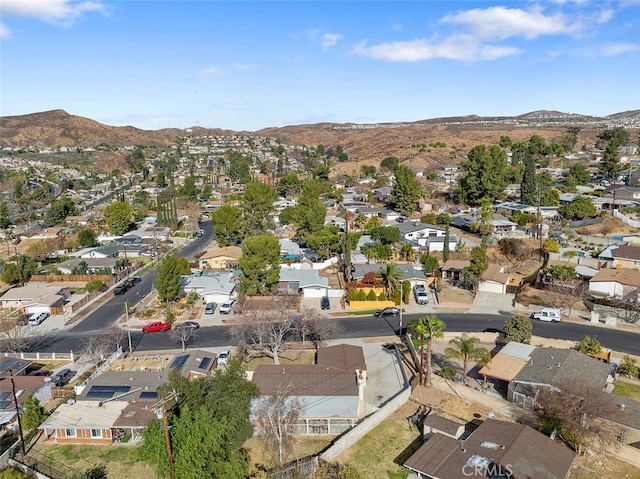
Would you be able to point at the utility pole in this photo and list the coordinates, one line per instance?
(539, 224)
(126, 313)
(165, 424)
(15, 401)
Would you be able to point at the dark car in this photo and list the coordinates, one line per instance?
(63, 377)
(392, 311)
(40, 372)
(325, 303)
(23, 319)
(210, 308)
(120, 289)
(187, 325)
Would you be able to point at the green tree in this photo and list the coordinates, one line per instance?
(33, 414)
(168, 279)
(628, 367)
(390, 163)
(518, 329)
(87, 238)
(430, 263)
(257, 207)
(118, 217)
(310, 212)
(59, 211)
(227, 225)
(406, 191)
(161, 179)
(260, 264)
(445, 246)
(580, 173)
(289, 185)
(590, 345)
(472, 274)
(390, 277)
(528, 186)
(610, 166)
(466, 348)
(581, 207)
(19, 270)
(4, 215)
(426, 328)
(385, 234)
(505, 142)
(484, 178)
(239, 167)
(406, 291)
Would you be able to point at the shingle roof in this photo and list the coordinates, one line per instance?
(305, 380)
(628, 252)
(342, 356)
(624, 276)
(521, 449)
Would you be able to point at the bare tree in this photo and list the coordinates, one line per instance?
(21, 338)
(312, 325)
(117, 336)
(262, 334)
(94, 348)
(277, 416)
(184, 335)
(566, 295)
(574, 412)
(627, 308)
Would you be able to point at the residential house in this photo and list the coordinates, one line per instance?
(24, 385)
(213, 287)
(306, 282)
(512, 190)
(436, 424)
(36, 298)
(290, 249)
(93, 265)
(615, 283)
(499, 224)
(422, 235)
(494, 280)
(495, 449)
(627, 257)
(452, 269)
(329, 392)
(221, 258)
(408, 272)
(527, 369)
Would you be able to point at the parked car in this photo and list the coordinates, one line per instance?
(120, 289)
(420, 294)
(38, 318)
(547, 314)
(156, 326)
(226, 306)
(23, 319)
(392, 311)
(325, 303)
(223, 357)
(187, 325)
(63, 376)
(40, 372)
(210, 308)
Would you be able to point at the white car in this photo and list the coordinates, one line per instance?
(223, 357)
(226, 306)
(547, 314)
(38, 318)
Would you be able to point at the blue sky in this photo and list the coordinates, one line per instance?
(248, 65)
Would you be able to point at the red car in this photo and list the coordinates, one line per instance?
(156, 326)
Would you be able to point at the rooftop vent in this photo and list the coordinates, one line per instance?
(491, 445)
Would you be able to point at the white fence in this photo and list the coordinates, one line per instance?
(102, 368)
(626, 220)
(42, 356)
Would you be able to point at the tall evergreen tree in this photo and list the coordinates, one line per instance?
(528, 193)
(257, 207)
(406, 191)
(484, 177)
(260, 264)
(445, 247)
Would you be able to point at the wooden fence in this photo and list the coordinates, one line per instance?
(70, 278)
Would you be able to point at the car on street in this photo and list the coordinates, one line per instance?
(121, 289)
(210, 308)
(223, 357)
(391, 311)
(156, 326)
(63, 376)
(551, 315)
(325, 303)
(226, 306)
(187, 325)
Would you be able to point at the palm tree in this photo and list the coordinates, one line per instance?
(426, 328)
(466, 348)
(390, 277)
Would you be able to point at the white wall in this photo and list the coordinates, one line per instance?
(315, 292)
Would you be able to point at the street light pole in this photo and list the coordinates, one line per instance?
(126, 313)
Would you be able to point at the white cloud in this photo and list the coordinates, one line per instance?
(605, 15)
(58, 12)
(242, 66)
(208, 72)
(501, 23)
(615, 49)
(4, 31)
(330, 40)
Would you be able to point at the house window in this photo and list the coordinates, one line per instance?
(70, 433)
(96, 433)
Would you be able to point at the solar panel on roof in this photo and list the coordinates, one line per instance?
(149, 395)
(4, 395)
(204, 364)
(106, 392)
(179, 361)
(5, 405)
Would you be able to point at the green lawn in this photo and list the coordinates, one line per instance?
(627, 389)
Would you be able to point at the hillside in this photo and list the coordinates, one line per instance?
(365, 144)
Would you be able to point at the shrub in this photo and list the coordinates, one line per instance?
(590, 345)
(518, 329)
(361, 296)
(382, 297)
(371, 295)
(447, 372)
(629, 367)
